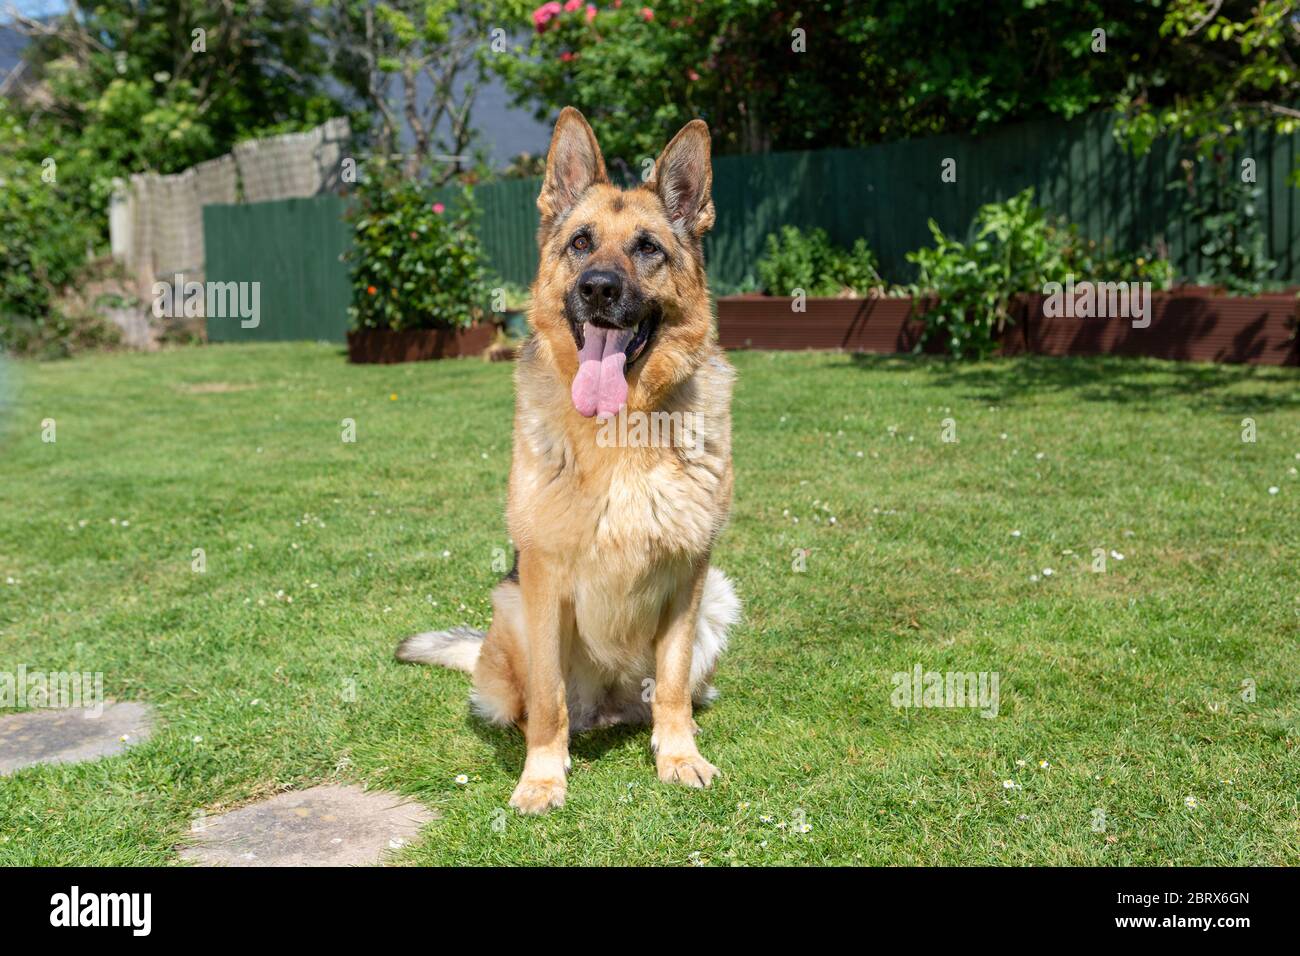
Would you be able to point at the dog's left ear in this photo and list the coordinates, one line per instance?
(684, 179)
(573, 165)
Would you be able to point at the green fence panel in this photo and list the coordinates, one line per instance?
(292, 249)
(507, 225)
(885, 193)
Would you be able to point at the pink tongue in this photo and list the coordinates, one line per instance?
(600, 388)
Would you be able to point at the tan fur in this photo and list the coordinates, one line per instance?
(614, 542)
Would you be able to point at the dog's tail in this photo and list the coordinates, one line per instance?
(457, 648)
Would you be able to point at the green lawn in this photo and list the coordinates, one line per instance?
(321, 555)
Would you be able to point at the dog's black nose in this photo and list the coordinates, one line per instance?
(600, 288)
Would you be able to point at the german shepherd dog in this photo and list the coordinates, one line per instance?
(611, 613)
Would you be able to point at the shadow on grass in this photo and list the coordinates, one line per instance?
(507, 743)
(1140, 383)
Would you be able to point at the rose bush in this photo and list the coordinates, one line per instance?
(415, 263)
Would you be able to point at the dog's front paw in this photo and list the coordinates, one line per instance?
(537, 795)
(690, 769)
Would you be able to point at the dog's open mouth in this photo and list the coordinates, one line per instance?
(604, 357)
(640, 343)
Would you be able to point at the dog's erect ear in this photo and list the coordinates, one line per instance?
(573, 164)
(684, 179)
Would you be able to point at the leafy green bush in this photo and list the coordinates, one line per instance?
(639, 69)
(43, 250)
(1087, 258)
(1013, 248)
(123, 90)
(1232, 228)
(797, 260)
(415, 263)
(58, 334)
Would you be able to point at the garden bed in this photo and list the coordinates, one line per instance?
(856, 325)
(1189, 324)
(387, 347)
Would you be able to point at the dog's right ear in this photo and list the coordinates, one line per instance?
(573, 164)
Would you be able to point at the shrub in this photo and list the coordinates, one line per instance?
(1228, 216)
(808, 261)
(59, 334)
(1086, 258)
(415, 263)
(1013, 248)
(43, 250)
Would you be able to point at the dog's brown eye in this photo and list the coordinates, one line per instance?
(647, 248)
(581, 243)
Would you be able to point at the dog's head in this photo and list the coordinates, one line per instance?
(621, 301)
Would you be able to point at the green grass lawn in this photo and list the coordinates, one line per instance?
(273, 670)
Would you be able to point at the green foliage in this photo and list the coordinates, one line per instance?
(1226, 213)
(797, 260)
(1236, 73)
(127, 92)
(123, 90)
(1087, 258)
(776, 76)
(43, 247)
(1013, 248)
(514, 296)
(57, 334)
(1235, 70)
(414, 68)
(629, 75)
(38, 244)
(415, 263)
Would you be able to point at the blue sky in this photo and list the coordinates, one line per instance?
(33, 7)
(40, 6)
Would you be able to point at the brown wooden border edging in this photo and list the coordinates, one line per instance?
(856, 325)
(386, 347)
(1188, 324)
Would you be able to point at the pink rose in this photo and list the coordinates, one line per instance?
(566, 56)
(543, 15)
(591, 13)
(572, 5)
(692, 75)
(647, 14)
(439, 208)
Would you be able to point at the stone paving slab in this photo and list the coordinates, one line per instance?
(70, 735)
(323, 826)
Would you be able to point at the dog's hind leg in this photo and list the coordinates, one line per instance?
(719, 610)
(500, 674)
(497, 659)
